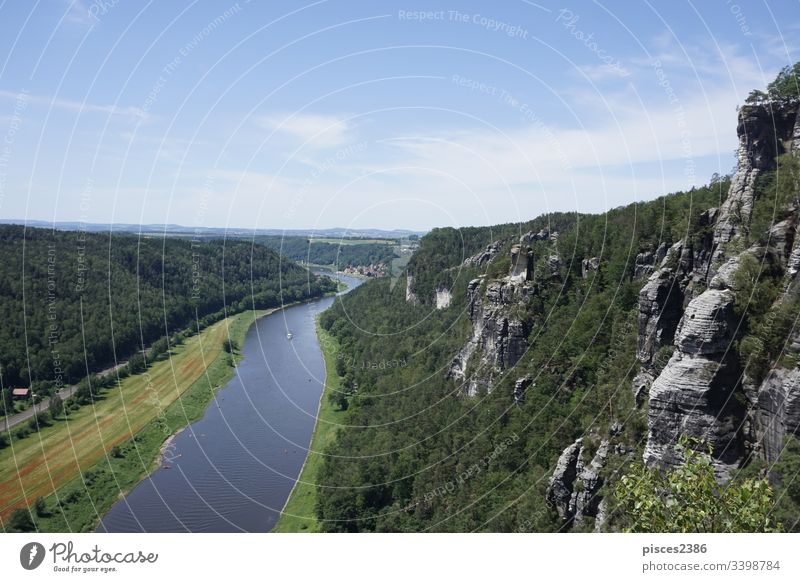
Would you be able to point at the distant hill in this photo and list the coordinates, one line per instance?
(232, 232)
(80, 301)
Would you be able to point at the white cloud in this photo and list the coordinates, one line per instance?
(78, 13)
(76, 106)
(599, 73)
(319, 131)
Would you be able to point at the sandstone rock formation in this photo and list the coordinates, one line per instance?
(484, 256)
(778, 410)
(589, 266)
(575, 486)
(521, 263)
(695, 395)
(443, 297)
(700, 392)
(765, 132)
(520, 386)
(499, 339)
(411, 296)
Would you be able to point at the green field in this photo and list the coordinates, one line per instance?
(298, 514)
(80, 467)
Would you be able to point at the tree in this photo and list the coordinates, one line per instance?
(338, 398)
(785, 87)
(56, 407)
(8, 402)
(136, 363)
(21, 521)
(159, 347)
(40, 507)
(688, 499)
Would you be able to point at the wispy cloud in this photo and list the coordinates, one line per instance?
(314, 130)
(77, 106)
(604, 72)
(77, 12)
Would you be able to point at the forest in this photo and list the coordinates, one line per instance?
(421, 456)
(75, 303)
(346, 254)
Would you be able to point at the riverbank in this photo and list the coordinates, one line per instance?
(112, 452)
(298, 514)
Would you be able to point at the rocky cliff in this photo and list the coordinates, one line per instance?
(498, 339)
(702, 391)
(692, 379)
(687, 310)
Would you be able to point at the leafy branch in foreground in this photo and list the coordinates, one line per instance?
(688, 499)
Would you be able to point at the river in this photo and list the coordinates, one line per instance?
(233, 470)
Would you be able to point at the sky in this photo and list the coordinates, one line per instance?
(377, 114)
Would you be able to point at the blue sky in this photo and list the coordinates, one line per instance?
(371, 114)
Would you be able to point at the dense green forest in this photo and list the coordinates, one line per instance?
(421, 457)
(425, 458)
(346, 254)
(73, 303)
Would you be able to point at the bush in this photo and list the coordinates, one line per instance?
(339, 399)
(56, 406)
(21, 521)
(785, 87)
(688, 499)
(136, 364)
(159, 347)
(40, 507)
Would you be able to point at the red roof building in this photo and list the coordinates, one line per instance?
(20, 392)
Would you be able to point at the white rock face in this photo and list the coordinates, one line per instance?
(498, 341)
(764, 132)
(778, 410)
(577, 503)
(707, 324)
(443, 298)
(695, 393)
(703, 392)
(660, 303)
(411, 297)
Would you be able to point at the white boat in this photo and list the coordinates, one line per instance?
(289, 336)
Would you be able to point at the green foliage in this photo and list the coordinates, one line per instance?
(785, 87)
(688, 499)
(786, 476)
(21, 521)
(765, 344)
(119, 293)
(581, 357)
(327, 253)
(338, 398)
(756, 285)
(777, 196)
(136, 364)
(40, 507)
(56, 407)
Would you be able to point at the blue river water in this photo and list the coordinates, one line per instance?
(233, 470)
